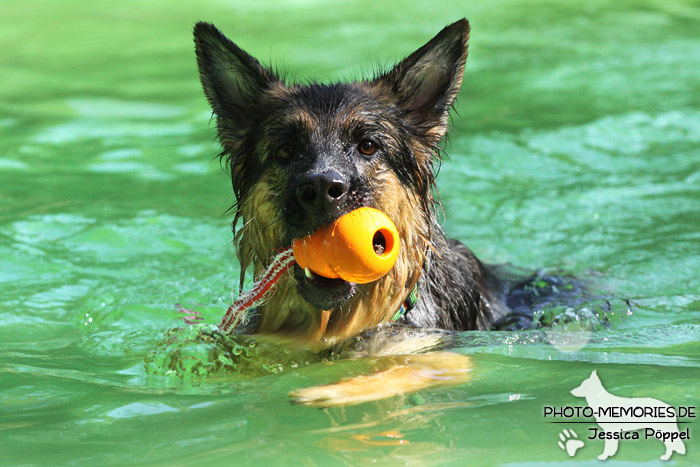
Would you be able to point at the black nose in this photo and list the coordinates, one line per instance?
(321, 190)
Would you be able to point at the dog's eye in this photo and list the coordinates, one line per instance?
(285, 151)
(367, 147)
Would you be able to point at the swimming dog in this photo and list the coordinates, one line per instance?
(302, 155)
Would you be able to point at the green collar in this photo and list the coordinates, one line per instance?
(407, 305)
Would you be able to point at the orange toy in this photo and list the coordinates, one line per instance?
(360, 247)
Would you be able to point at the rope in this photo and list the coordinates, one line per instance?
(260, 292)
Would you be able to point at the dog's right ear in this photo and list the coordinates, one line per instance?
(231, 78)
(426, 82)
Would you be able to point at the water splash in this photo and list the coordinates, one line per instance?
(201, 351)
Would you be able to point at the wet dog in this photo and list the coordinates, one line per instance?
(301, 156)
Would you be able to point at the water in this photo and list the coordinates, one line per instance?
(576, 148)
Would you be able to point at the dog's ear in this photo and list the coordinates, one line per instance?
(231, 78)
(426, 83)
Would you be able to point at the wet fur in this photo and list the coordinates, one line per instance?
(406, 110)
(457, 292)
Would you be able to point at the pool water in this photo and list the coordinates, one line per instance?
(575, 147)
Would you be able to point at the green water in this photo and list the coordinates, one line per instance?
(576, 147)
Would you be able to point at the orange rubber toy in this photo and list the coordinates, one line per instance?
(360, 247)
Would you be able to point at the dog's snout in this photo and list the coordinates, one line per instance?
(321, 190)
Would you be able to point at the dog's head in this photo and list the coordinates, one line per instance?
(591, 386)
(301, 156)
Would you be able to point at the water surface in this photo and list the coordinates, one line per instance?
(575, 147)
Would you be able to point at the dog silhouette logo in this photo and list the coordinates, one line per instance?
(618, 416)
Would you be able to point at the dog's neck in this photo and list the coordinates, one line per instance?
(376, 303)
(601, 397)
(289, 314)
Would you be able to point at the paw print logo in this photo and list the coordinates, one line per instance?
(569, 442)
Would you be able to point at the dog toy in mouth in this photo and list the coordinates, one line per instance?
(360, 247)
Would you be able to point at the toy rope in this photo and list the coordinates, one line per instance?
(260, 292)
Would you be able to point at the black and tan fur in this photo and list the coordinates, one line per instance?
(283, 141)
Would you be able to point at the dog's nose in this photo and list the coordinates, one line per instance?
(321, 190)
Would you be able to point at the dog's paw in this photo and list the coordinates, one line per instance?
(319, 396)
(406, 374)
(358, 389)
(569, 442)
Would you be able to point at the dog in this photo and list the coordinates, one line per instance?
(598, 398)
(301, 156)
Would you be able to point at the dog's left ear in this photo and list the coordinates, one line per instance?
(426, 82)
